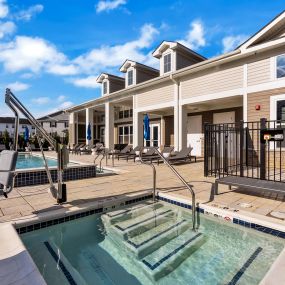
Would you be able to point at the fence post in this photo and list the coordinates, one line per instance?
(206, 160)
(262, 150)
(241, 144)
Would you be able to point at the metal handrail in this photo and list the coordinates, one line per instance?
(176, 173)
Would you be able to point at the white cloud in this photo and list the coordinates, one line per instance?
(87, 82)
(4, 10)
(27, 75)
(61, 98)
(113, 56)
(195, 37)
(41, 100)
(18, 86)
(34, 55)
(69, 69)
(26, 15)
(7, 28)
(109, 5)
(231, 42)
(65, 105)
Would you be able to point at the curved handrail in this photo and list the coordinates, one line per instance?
(153, 171)
(177, 174)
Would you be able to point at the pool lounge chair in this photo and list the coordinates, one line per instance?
(125, 151)
(77, 149)
(166, 152)
(184, 155)
(86, 150)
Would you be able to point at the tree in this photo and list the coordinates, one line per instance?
(6, 138)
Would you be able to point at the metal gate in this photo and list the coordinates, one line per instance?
(247, 149)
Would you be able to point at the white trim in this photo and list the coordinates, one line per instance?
(273, 105)
(127, 77)
(262, 32)
(244, 103)
(213, 96)
(154, 107)
(267, 86)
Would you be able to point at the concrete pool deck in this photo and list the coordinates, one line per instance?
(134, 178)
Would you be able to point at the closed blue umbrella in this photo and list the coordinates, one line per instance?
(26, 134)
(146, 128)
(89, 132)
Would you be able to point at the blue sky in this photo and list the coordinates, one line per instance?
(52, 51)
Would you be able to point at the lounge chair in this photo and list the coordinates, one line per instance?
(184, 155)
(72, 149)
(97, 148)
(77, 149)
(31, 147)
(166, 152)
(86, 150)
(125, 151)
(133, 153)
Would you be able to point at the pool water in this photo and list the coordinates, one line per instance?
(151, 244)
(32, 161)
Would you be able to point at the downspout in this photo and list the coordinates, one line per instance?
(177, 103)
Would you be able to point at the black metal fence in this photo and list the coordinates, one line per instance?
(249, 149)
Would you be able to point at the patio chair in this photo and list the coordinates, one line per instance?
(87, 149)
(31, 147)
(184, 155)
(77, 149)
(133, 153)
(8, 160)
(166, 152)
(72, 149)
(125, 151)
(97, 148)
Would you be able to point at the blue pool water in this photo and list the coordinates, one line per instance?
(151, 245)
(32, 161)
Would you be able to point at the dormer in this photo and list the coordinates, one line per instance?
(110, 83)
(137, 72)
(174, 56)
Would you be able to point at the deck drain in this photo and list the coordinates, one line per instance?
(245, 205)
(277, 214)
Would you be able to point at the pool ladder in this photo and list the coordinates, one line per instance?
(177, 175)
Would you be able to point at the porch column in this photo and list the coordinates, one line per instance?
(89, 119)
(176, 127)
(137, 129)
(109, 125)
(182, 127)
(162, 131)
(72, 124)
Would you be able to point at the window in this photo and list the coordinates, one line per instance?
(280, 110)
(23, 126)
(131, 113)
(130, 77)
(126, 134)
(167, 63)
(66, 124)
(121, 114)
(33, 127)
(105, 87)
(126, 113)
(13, 126)
(280, 66)
(53, 124)
(7, 126)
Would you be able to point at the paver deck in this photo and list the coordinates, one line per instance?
(133, 178)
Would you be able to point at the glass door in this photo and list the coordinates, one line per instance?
(154, 136)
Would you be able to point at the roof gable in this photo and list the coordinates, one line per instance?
(274, 30)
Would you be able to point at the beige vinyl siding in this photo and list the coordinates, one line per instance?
(263, 99)
(158, 94)
(212, 81)
(258, 72)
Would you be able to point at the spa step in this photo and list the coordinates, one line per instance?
(140, 224)
(151, 240)
(128, 213)
(169, 256)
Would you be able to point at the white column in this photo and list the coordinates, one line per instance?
(137, 129)
(109, 125)
(245, 111)
(89, 119)
(176, 117)
(182, 127)
(162, 131)
(72, 138)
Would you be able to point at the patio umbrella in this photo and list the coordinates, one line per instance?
(26, 134)
(89, 132)
(146, 128)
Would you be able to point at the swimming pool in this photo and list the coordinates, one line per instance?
(151, 244)
(33, 161)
